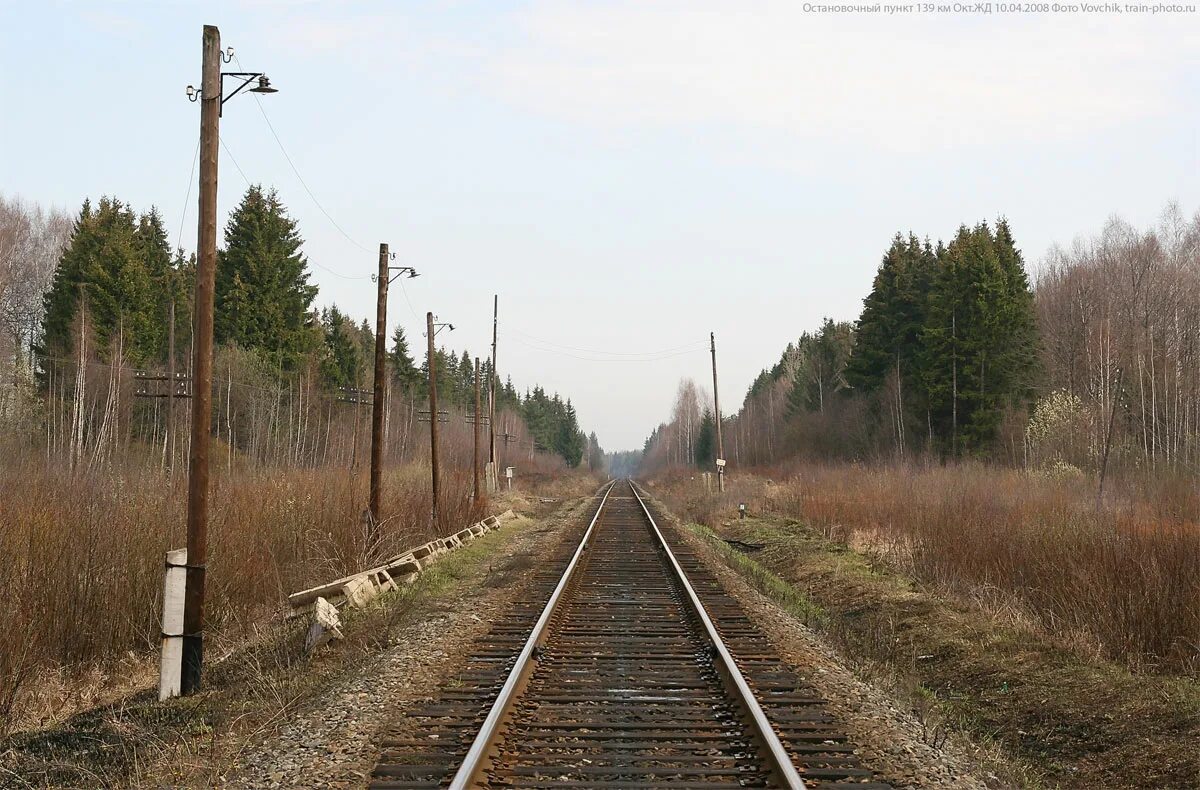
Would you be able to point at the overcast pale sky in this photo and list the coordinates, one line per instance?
(626, 175)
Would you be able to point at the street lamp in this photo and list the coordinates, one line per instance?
(247, 77)
(400, 271)
(211, 97)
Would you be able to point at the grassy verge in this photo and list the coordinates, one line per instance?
(1075, 722)
(762, 579)
(136, 739)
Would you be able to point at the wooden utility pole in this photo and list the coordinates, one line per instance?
(494, 478)
(475, 422)
(171, 387)
(433, 416)
(380, 397)
(712, 337)
(202, 336)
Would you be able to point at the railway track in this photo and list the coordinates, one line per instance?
(638, 671)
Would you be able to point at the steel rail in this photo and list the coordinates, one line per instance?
(475, 761)
(781, 763)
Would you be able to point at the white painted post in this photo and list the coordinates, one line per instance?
(171, 663)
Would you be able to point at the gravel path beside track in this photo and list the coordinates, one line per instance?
(331, 741)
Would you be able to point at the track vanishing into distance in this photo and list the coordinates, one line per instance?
(628, 666)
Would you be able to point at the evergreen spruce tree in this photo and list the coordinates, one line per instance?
(405, 372)
(877, 325)
(830, 353)
(466, 381)
(122, 265)
(570, 438)
(71, 278)
(447, 377)
(118, 288)
(595, 453)
(183, 278)
(1017, 358)
(820, 366)
(888, 333)
(148, 331)
(799, 401)
(262, 290)
(953, 330)
(341, 363)
(943, 336)
(980, 337)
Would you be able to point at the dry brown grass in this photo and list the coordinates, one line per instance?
(82, 559)
(1120, 581)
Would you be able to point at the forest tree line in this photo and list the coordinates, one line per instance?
(957, 354)
(87, 305)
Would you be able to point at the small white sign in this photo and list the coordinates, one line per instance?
(508, 471)
(721, 462)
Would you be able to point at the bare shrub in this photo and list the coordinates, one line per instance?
(1121, 580)
(83, 553)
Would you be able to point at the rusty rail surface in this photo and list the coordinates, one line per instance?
(639, 671)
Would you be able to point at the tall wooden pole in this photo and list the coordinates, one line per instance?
(433, 417)
(495, 481)
(712, 337)
(478, 419)
(171, 387)
(379, 399)
(202, 335)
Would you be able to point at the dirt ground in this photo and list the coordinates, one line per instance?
(1064, 721)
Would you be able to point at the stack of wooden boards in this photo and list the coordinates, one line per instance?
(361, 588)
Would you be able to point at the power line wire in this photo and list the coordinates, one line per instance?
(411, 309)
(296, 170)
(188, 197)
(337, 273)
(248, 183)
(608, 359)
(233, 159)
(696, 344)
